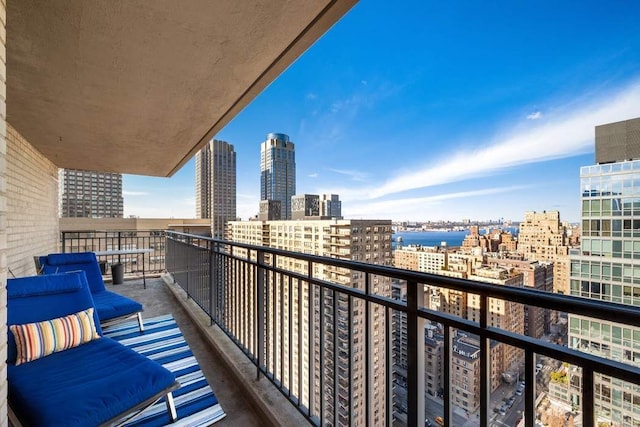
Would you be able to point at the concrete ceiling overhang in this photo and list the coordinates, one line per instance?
(139, 86)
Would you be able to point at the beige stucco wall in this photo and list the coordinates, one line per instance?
(32, 205)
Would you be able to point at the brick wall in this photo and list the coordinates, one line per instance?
(32, 206)
(3, 216)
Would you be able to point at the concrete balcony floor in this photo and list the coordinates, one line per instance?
(246, 401)
(158, 300)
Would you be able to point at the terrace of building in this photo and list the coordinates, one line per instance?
(246, 400)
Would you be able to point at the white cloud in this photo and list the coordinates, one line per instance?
(311, 96)
(353, 174)
(417, 207)
(567, 135)
(313, 175)
(134, 193)
(534, 116)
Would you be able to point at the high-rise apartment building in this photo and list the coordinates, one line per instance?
(90, 194)
(503, 314)
(543, 237)
(338, 318)
(203, 179)
(305, 206)
(535, 275)
(606, 267)
(313, 206)
(330, 206)
(491, 241)
(216, 185)
(278, 171)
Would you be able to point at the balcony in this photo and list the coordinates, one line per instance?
(74, 101)
(229, 383)
(267, 312)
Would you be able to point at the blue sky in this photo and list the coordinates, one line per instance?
(430, 110)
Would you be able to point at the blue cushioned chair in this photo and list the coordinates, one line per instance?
(100, 382)
(111, 307)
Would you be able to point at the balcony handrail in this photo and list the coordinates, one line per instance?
(591, 364)
(603, 310)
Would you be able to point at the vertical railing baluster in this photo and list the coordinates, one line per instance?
(290, 342)
(388, 334)
(350, 340)
(415, 354)
(588, 416)
(186, 263)
(322, 367)
(281, 283)
(447, 373)
(368, 332)
(335, 357)
(529, 388)
(212, 281)
(259, 298)
(311, 318)
(300, 339)
(485, 364)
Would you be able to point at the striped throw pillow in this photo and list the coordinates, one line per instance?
(36, 340)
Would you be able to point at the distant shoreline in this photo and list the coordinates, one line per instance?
(450, 237)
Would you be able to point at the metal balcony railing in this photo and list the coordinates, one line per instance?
(120, 240)
(271, 313)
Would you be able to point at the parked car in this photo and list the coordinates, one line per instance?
(502, 411)
(519, 392)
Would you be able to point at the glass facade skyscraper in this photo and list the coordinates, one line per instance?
(607, 268)
(278, 171)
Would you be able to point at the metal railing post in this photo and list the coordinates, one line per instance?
(415, 355)
(119, 245)
(529, 388)
(260, 310)
(212, 281)
(485, 364)
(448, 373)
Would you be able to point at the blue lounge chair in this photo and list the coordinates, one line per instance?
(111, 307)
(88, 382)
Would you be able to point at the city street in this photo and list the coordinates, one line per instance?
(434, 405)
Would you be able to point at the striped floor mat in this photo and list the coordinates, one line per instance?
(163, 342)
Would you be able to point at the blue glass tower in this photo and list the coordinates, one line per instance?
(278, 171)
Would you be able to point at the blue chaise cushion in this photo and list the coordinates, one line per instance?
(81, 386)
(85, 385)
(87, 261)
(38, 298)
(111, 305)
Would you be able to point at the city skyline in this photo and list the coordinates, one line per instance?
(457, 106)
